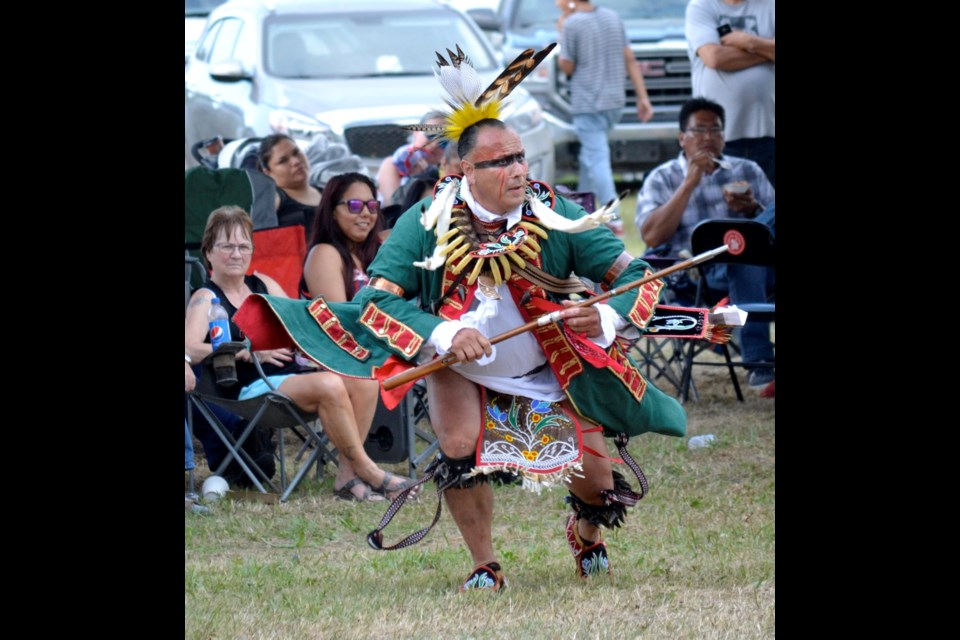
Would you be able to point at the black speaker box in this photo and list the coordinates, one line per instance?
(387, 440)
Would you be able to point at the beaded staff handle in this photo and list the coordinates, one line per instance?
(440, 363)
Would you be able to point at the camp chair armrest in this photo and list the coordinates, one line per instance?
(263, 376)
(226, 348)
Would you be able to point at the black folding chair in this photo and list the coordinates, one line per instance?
(750, 242)
(272, 409)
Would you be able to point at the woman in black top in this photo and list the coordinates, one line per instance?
(297, 200)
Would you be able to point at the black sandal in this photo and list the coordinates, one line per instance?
(344, 493)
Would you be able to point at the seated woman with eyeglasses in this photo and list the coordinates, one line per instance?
(345, 405)
(282, 159)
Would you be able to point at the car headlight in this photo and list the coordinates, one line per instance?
(524, 115)
(300, 126)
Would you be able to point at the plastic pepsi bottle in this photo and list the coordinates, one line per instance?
(219, 323)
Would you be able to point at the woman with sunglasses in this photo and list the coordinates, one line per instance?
(344, 405)
(297, 200)
(345, 240)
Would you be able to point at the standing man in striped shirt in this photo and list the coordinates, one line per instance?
(596, 54)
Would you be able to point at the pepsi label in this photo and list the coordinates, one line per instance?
(219, 332)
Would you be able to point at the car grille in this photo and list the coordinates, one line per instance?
(667, 78)
(376, 141)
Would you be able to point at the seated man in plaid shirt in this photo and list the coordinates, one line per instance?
(703, 183)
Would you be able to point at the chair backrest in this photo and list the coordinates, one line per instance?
(280, 251)
(586, 199)
(195, 275)
(750, 242)
(207, 189)
(280, 254)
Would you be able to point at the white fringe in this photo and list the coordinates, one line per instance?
(439, 213)
(553, 220)
(533, 482)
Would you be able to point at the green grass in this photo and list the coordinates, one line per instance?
(695, 559)
(631, 236)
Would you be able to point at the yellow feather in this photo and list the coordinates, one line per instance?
(527, 251)
(468, 114)
(533, 243)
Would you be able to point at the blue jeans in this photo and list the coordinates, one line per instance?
(769, 218)
(747, 283)
(188, 448)
(213, 447)
(595, 173)
(763, 151)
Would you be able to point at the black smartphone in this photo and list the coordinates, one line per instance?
(724, 29)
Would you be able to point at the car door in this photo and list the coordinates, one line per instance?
(216, 107)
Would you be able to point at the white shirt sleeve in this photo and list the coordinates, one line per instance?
(610, 323)
(700, 27)
(442, 337)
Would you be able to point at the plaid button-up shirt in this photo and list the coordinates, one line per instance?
(707, 199)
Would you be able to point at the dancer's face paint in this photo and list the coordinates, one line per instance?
(497, 170)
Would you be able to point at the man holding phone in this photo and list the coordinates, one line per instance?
(732, 48)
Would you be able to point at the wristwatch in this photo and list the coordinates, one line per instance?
(188, 359)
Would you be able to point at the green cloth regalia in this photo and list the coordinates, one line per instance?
(383, 330)
(439, 254)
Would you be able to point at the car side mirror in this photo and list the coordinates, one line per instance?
(229, 71)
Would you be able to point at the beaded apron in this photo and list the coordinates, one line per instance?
(538, 440)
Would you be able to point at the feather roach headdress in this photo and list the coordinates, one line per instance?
(468, 101)
(456, 241)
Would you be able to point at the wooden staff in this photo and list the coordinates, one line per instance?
(436, 364)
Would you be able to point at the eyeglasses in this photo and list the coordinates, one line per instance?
(356, 206)
(701, 132)
(502, 163)
(228, 249)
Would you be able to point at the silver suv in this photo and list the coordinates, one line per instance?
(656, 33)
(194, 17)
(343, 70)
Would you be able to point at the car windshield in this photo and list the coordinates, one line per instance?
(543, 14)
(201, 7)
(345, 45)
